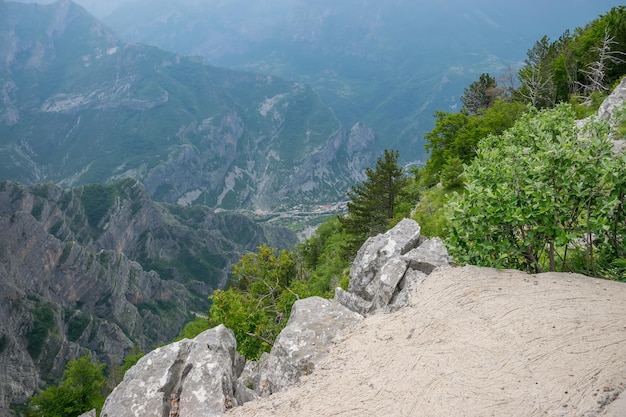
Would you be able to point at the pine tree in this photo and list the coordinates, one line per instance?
(374, 200)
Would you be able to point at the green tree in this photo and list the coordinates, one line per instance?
(258, 303)
(325, 257)
(480, 95)
(80, 391)
(456, 135)
(537, 191)
(373, 202)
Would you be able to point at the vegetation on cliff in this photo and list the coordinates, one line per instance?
(543, 196)
(264, 285)
(523, 189)
(79, 392)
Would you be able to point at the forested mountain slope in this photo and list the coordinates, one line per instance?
(389, 65)
(77, 105)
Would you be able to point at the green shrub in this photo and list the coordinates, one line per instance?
(43, 324)
(77, 326)
(4, 341)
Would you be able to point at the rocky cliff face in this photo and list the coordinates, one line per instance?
(99, 269)
(79, 106)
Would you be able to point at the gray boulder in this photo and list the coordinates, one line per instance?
(248, 385)
(313, 324)
(428, 256)
(389, 277)
(608, 111)
(91, 413)
(388, 265)
(187, 378)
(614, 102)
(376, 251)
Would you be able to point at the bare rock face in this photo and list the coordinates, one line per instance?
(376, 251)
(313, 324)
(608, 111)
(186, 379)
(386, 267)
(614, 102)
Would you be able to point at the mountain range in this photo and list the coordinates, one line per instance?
(389, 65)
(98, 269)
(78, 105)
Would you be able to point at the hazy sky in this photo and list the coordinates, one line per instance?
(102, 8)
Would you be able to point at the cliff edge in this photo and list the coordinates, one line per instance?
(475, 342)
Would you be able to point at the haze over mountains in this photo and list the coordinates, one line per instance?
(389, 65)
(236, 105)
(78, 105)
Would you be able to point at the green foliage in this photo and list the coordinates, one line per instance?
(576, 65)
(158, 307)
(97, 200)
(456, 135)
(536, 76)
(4, 341)
(131, 359)
(326, 257)
(537, 192)
(373, 202)
(80, 391)
(620, 123)
(451, 173)
(430, 213)
(589, 107)
(480, 95)
(258, 304)
(193, 328)
(43, 324)
(76, 326)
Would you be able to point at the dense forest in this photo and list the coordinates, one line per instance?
(512, 182)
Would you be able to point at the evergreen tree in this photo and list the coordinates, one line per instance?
(480, 95)
(372, 203)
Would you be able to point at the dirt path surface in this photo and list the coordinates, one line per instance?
(476, 342)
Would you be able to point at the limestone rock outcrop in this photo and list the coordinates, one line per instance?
(388, 265)
(611, 110)
(312, 326)
(206, 376)
(186, 379)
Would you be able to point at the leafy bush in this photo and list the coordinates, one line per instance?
(78, 392)
(539, 192)
(43, 324)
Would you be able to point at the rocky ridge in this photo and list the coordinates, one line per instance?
(386, 268)
(99, 269)
(77, 106)
(473, 339)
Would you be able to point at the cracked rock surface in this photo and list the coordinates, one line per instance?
(184, 379)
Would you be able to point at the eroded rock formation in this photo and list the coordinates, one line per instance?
(388, 265)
